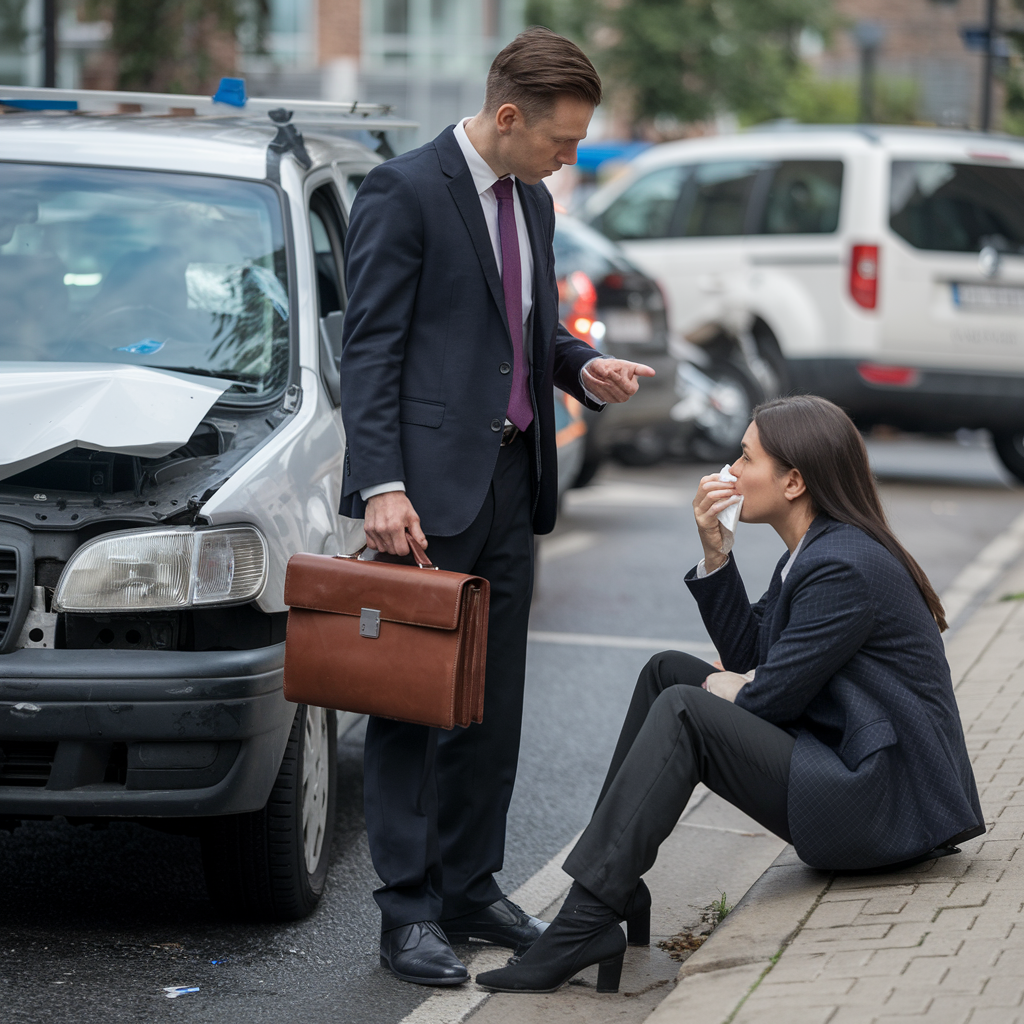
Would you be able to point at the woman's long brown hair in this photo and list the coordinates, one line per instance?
(811, 434)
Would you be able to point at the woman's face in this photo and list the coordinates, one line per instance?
(761, 482)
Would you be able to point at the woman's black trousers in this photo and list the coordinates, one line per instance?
(674, 736)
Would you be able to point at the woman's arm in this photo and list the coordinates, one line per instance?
(731, 622)
(830, 618)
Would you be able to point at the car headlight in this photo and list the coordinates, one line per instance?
(162, 569)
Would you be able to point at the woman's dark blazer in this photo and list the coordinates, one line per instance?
(849, 661)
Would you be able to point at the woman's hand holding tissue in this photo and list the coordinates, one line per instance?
(714, 495)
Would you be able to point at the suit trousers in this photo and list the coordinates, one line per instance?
(674, 736)
(436, 800)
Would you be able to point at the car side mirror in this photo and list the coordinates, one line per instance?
(330, 354)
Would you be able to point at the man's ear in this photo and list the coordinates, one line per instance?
(795, 485)
(506, 117)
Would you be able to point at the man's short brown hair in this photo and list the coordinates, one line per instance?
(535, 69)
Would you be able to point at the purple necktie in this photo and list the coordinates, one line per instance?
(520, 409)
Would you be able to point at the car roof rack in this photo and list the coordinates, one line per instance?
(229, 101)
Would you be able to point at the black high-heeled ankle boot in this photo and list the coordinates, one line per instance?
(585, 932)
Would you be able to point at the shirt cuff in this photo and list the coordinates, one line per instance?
(368, 492)
(593, 398)
(702, 571)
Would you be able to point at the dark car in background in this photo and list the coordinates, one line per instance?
(607, 302)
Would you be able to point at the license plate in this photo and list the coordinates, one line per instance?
(627, 326)
(990, 298)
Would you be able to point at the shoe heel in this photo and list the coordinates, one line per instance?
(638, 928)
(608, 975)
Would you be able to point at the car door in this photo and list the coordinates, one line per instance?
(691, 245)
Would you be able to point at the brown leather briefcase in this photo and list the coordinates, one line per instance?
(399, 641)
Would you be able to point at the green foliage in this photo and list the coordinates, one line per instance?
(814, 100)
(720, 908)
(572, 18)
(690, 59)
(12, 24)
(165, 45)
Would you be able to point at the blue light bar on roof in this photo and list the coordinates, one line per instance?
(231, 91)
(39, 104)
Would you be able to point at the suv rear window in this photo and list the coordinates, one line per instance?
(948, 207)
(172, 271)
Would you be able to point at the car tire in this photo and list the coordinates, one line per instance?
(722, 442)
(271, 864)
(1010, 449)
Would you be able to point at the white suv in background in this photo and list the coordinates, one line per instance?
(880, 267)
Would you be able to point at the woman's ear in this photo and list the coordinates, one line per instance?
(794, 485)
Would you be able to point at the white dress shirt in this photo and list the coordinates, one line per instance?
(483, 179)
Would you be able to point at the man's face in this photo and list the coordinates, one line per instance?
(532, 151)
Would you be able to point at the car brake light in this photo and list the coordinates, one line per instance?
(864, 275)
(892, 376)
(577, 292)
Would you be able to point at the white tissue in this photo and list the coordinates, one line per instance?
(730, 515)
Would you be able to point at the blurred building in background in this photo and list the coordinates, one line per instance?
(427, 58)
(922, 66)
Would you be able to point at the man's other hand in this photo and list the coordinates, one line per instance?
(388, 516)
(614, 380)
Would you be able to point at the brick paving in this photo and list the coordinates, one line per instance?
(942, 942)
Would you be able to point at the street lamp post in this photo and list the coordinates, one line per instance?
(50, 43)
(869, 36)
(986, 77)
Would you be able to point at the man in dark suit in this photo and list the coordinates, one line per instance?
(451, 349)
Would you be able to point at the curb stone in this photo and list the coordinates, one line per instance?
(717, 978)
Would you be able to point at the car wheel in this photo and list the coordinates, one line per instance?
(272, 864)
(720, 428)
(1010, 449)
(646, 447)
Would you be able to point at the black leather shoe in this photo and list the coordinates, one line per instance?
(502, 923)
(585, 932)
(421, 954)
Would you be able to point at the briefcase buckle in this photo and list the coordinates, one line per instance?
(369, 623)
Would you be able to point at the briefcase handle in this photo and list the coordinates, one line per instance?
(417, 553)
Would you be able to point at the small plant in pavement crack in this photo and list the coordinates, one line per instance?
(685, 943)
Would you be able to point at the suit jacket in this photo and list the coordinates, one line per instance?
(849, 660)
(426, 350)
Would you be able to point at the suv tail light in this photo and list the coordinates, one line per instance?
(889, 376)
(864, 275)
(577, 300)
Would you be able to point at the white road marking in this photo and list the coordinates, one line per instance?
(571, 543)
(698, 648)
(626, 495)
(983, 570)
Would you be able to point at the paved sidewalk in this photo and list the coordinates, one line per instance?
(943, 942)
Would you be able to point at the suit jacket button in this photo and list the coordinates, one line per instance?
(497, 425)
(505, 367)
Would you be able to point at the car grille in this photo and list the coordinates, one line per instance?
(26, 762)
(8, 588)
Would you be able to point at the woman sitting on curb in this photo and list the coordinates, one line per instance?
(834, 726)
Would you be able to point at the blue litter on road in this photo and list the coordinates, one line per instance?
(173, 991)
(146, 347)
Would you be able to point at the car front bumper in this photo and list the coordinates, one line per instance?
(140, 733)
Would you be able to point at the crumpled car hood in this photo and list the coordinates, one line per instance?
(50, 408)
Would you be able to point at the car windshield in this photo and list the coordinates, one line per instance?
(957, 207)
(173, 271)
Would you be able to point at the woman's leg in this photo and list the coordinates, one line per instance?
(689, 736)
(670, 668)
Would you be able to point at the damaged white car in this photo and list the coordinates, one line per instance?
(171, 296)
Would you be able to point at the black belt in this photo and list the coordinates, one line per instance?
(510, 433)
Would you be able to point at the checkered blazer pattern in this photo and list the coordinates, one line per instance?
(850, 662)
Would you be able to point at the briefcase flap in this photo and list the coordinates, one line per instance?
(401, 593)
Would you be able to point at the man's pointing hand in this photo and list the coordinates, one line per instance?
(614, 380)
